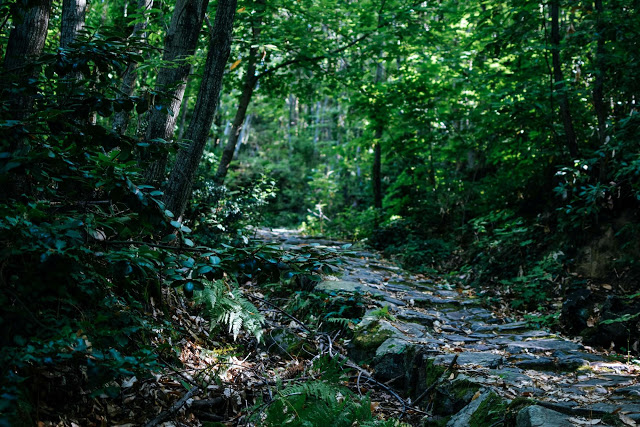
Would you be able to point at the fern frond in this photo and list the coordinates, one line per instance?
(231, 309)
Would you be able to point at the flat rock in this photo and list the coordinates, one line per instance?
(571, 363)
(515, 326)
(416, 316)
(346, 286)
(460, 338)
(542, 345)
(633, 390)
(537, 363)
(487, 360)
(394, 301)
(398, 287)
(631, 410)
(537, 416)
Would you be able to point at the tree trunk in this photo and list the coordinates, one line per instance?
(377, 150)
(248, 87)
(180, 43)
(183, 173)
(377, 169)
(121, 119)
(184, 109)
(25, 45)
(244, 135)
(563, 98)
(598, 86)
(73, 14)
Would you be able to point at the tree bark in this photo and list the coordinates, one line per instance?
(26, 41)
(183, 173)
(121, 119)
(598, 86)
(180, 43)
(376, 174)
(563, 98)
(73, 15)
(250, 80)
(377, 169)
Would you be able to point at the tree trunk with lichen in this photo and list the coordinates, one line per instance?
(180, 44)
(183, 173)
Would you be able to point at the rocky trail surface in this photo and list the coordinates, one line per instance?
(440, 348)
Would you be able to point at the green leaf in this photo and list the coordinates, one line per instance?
(169, 238)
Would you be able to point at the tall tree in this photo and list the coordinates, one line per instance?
(180, 44)
(73, 17)
(376, 174)
(248, 87)
(598, 85)
(26, 41)
(183, 173)
(121, 119)
(560, 86)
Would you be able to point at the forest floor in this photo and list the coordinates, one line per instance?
(427, 351)
(449, 325)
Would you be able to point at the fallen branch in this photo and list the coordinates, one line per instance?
(173, 409)
(279, 310)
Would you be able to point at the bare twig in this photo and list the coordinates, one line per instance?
(279, 310)
(174, 408)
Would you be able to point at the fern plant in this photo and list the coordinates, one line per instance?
(322, 401)
(229, 307)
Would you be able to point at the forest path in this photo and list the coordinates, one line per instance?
(427, 322)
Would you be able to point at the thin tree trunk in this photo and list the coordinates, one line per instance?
(248, 87)
(563, 99)
(244, 101)
(377, 151)
(244, 135)
(121, 119)
(184, 109)
(316, 130)
(180, 43)
(26, 41)
(183, 173)
(293, 118)
(598, 86)
(377, 169)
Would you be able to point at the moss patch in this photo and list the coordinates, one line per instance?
(367, 340)
(492, 409)
(454, 395)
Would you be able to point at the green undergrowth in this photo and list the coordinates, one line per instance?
(324, 400)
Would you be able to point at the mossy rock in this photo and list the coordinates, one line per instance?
(367, 338)
(423, 373)
(453, 396)
(434, 421)
(489, 411)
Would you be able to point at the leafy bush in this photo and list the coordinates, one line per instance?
(417, 251)
(220, 214)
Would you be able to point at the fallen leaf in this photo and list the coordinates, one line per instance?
(628, 421)
(582, 422)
